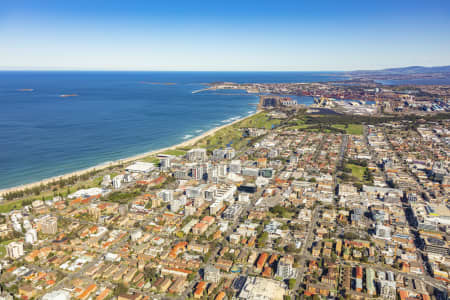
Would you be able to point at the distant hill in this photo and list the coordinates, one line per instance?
(406, 70)
(420, 69)
(428, 75)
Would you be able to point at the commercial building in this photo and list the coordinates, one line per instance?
(225, 192)
(383, 232)
(435, 245)
(370, 284)
(257, 288)
(193, 192)
(140, 167)
(235, 166)
(249, 188)
(266, 172)
(251, 172)
(232, 212)
(57, 295)
(86, 193)
(271, 101)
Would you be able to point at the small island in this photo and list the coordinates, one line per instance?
(68, 95)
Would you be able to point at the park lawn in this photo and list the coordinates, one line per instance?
(309, 127)
(299, 126)
(298, 121)
(17, 204)
(175, 152)
(357, 171)
(356, 129)
(232, 135)
(259, 120)
(10, 205)
(97, 180)
(151, 159)
(221, 138)
(49, 194)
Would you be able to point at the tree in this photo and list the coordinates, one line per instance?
(191, 277)
(206, 256)
(150, 274)
(351, 236)
(120, 289)
(291, 283)
(261, 242)
(290, 248)
(280, 211)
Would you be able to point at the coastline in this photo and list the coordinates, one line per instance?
(130, 159)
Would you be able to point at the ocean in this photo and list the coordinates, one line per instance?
(113, 115)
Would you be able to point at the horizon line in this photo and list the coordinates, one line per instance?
(157, 70)
(167, 69)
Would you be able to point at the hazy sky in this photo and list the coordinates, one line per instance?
(223, 35)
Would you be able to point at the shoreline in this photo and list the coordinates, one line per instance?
(130, 159)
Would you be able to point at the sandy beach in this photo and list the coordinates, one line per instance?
(122, 161)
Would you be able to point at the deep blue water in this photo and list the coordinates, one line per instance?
(115, 115)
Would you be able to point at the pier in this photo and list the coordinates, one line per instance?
(203, 90)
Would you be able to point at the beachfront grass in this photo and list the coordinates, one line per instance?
(49, 194)
(10, 205)
(259, 120)
(151, 159)
(176, 152)
(356, 129)
(226, 136)
(232, 135)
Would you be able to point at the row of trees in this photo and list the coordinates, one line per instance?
(53, 185)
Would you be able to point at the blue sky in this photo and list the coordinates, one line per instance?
(223, 35)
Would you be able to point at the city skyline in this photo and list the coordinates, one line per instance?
(250, 36)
